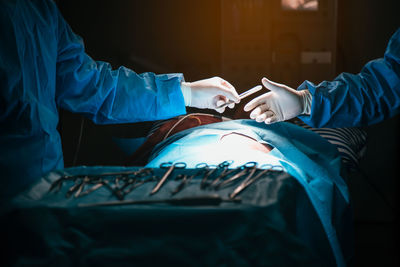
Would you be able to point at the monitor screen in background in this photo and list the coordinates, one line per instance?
(311, 5)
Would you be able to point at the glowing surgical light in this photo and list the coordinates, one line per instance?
(300, 4)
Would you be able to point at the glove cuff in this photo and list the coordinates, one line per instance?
(187, 93)
(306, 97)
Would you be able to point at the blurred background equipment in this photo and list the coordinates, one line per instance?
(278, 39)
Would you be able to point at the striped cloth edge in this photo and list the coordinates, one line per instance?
(350, 142)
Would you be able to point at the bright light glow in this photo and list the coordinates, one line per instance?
(300, 4)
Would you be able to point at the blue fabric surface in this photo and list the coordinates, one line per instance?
(313, 161)
(43, 67)
(359, 99)
(266, 228)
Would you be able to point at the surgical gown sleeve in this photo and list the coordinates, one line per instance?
(359, 99)
(111, 96)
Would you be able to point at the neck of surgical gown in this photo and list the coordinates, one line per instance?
(309, 158)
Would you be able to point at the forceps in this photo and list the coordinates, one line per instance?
(252, 165)
(171, 166)
(225, 172)
(248, 181)
(243, 95)
(136, 183)
(187, 179)
(204, 182)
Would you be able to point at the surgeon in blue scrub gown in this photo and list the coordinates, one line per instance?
(43, 67)
(349, 100)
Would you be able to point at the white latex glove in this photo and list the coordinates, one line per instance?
(280, 104)
(209, 93)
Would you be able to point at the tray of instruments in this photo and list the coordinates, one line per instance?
(171, 215)
(171, 184)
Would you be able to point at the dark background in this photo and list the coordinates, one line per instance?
(242, 41)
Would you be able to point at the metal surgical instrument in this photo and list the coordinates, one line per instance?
(84, 182)
(208, 173)
(91, 189)
(171, 166)
(116, 182)
(135, 184)
(248, 181)
(187, 179)
(78, 182)
(249, 165)
(243, 95)
(225, 172)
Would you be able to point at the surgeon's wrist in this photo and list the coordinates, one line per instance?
(187, 93)
(306, 98)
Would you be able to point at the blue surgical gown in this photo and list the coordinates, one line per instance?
(359, 99)
(43, 67)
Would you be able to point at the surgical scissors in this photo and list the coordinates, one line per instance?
(171, 166)
(116, 182)
(243, 95)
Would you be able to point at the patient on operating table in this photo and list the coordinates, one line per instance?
(239, 141)
(310, 211)
(313, 161)
(349, 142)
(229, 141)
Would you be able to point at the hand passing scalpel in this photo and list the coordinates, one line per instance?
(241, 96)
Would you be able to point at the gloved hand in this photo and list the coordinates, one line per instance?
(280, 104)
(209, 93)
